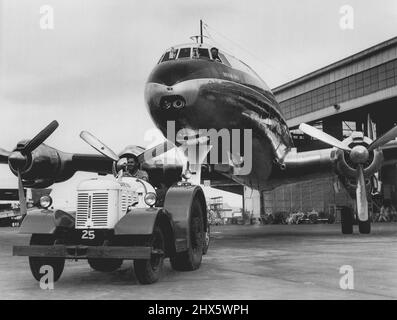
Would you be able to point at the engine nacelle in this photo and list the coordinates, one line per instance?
(41, 167)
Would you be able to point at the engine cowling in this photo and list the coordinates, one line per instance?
(41, 166)
(347, 164)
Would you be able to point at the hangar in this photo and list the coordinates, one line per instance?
(337, 99)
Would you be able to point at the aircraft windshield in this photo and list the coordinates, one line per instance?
(212, 53)
(188, 52)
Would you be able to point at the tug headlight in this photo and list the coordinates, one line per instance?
(45, 202)
(187, 175)
(150, 199)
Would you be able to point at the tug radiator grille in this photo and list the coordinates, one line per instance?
(92, 209)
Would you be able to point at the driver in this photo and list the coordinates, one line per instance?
(131, 168)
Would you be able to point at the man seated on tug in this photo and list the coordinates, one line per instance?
(131, 167)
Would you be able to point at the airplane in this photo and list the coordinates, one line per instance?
(198, 86)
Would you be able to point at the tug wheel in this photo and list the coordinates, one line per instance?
(206, 239)
(148, 271)
(191, 259)
(36, 263)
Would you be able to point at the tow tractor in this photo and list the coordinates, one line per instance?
(119, 219)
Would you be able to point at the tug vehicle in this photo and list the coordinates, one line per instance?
(118, 219)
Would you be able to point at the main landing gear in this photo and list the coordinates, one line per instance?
(348, 219)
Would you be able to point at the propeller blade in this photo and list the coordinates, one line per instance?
(322, 136)
(388, 136)
(4, 154)
(98, 145)
(21, 194)
(370, 128)
(361, 195)
(40, 137)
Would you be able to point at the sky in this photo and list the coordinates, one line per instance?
(89, 71)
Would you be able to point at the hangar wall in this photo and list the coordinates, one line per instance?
(371, 71)
(346, 90)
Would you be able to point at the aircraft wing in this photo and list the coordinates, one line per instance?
(38, 165)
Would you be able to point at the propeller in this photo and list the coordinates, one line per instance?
(359, 154)
(322, 136)
(107, 152)
(21, 194)
(388, 136)
(361, 195)
(98, 145)
(18, 159)
(40, 137)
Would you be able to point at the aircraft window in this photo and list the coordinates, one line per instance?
(170, 55)
(166, 56)
(238, 64)
(203, 53)
(184, 53)
(223, 59)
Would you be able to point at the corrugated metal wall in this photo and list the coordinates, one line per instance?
(305, 196)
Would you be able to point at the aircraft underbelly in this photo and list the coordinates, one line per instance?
(220, 104)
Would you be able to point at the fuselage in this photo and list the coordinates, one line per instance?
(198, 91)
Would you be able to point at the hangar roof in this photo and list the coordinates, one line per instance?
(358, 62)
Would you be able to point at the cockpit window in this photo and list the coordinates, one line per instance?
(184, 53)
(170, 55)
(200, 53)
(166, 56)
(203, 53)
(223, 59)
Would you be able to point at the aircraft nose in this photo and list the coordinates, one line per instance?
(173, 86)
(170, 73)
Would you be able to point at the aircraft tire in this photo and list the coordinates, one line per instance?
(36, 263)
(190, 259)
(347, 220)
(148, 271)
(364, 227)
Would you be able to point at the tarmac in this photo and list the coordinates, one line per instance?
(243, 262)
